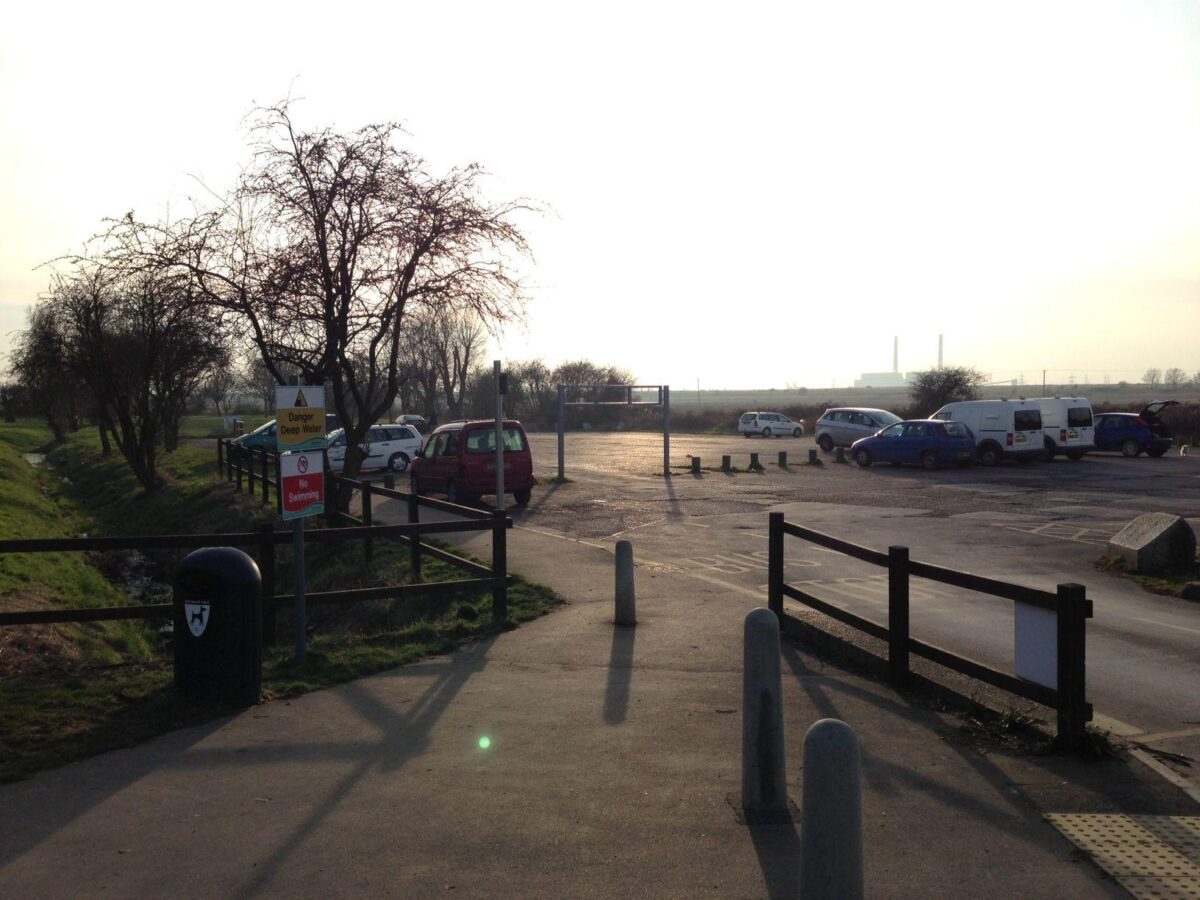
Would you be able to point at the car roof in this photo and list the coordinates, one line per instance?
(862, 409)
(458, 426)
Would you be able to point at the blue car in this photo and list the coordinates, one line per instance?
(928, 442)
(1135, 433)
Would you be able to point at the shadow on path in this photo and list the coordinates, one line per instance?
(620, 673)
(777, 846)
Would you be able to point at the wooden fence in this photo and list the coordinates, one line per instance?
(1069, 604)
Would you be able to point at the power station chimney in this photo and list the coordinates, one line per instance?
(939, 351)
(896, 353)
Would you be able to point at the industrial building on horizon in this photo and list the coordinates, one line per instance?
(893, 378)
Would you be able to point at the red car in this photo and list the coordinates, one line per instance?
(459, 460)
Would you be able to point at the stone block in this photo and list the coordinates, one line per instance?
(1156, 543)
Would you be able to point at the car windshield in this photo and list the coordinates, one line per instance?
(956, 429)
(885, 418)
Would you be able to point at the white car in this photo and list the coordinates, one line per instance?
(387, 446)
(768, 424)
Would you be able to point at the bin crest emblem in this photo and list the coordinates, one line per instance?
(196, 613)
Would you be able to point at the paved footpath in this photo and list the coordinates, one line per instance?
(612, 771)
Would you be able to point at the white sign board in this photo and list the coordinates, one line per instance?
(1035, 642)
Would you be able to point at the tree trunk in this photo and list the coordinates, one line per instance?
(105, 446)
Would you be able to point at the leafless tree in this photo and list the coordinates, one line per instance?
(1153, 377)
(1174, 377)
(219, 387)
(38, 363)
(330, 240)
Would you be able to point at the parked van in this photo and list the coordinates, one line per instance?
(459, 460)
(1067, 425)
(1003, 429)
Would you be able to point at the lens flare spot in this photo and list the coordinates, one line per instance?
(484, 743)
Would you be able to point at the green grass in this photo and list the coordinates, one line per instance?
(1170, 585)
(214, 426)
(100, 687)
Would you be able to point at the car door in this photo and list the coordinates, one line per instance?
(433, 468)
(887, 446)
(335, 452)
(917, 437)
(1105, 432)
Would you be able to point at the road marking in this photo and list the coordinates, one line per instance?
(1167, 772)
(636, 527)
(1164, 625)
(1167, 735)
(563, 537)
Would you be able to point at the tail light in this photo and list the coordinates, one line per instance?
(1008, 439)
(1062, 436)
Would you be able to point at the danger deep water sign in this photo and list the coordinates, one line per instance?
(300, 417)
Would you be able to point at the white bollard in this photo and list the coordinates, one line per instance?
(764, 786)
(831, 861)
(626, 613)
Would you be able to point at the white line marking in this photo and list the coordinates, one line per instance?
(1168, 773)
(1164, 625)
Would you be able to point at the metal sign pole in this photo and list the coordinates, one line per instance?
(499, 437)
(666, 402)
(298, 565)
(562, 402)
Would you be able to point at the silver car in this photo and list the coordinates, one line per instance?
(387, 446)
(844, 425)
(769, 423)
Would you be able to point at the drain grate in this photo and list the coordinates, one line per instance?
(1151, 856)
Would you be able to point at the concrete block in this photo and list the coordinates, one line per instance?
(1191, 591)
(1155, 543)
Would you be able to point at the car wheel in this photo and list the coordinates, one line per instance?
(798, 432)
(989, 455)
(1130, 448)
(522, 496)
(929, 459)
(398, 462)
(1049, 450)
(1156, 453)
(862, 457)
(825, 442)
(766, 432)
(745, 434)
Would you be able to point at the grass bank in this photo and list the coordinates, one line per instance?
(88, 689)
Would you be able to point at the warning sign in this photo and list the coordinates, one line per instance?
(303, 485)
(300, 417)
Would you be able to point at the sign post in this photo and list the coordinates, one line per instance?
(300, 421)
(500, 391)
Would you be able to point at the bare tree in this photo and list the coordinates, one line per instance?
(1174, 377)
(38, 363)
(219, 387)
(456, 341)
(330, 239)
(1153, 377)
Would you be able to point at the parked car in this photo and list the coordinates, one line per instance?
(387, 446)
(843, 426)
(769, 423)
(1135, 433)
(459, 460)
(418, 422)
(261, 438)
(1067, 426)
(928, 442)
(1003, 429)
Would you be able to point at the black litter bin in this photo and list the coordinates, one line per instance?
(218, 627)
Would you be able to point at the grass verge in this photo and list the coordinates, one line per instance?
(1169, 585)
(92, 688)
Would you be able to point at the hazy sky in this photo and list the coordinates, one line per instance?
(754, 195)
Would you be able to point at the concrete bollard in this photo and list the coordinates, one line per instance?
(831, 851)
(764, 785)
(625, 614)
(726, 463)
(782, 458)
(839, 454)
(812, 458)
(695, 465)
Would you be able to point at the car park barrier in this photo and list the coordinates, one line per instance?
(755, 465)
(1068, 607)
(626, 612)
(695, 465)
(813, 459)
(839, 454)
(764, 781)
(831, 844)
(783, 459)
(726, 463)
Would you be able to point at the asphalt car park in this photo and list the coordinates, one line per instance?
(1039, 525)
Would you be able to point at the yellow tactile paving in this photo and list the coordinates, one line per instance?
(1151, 856)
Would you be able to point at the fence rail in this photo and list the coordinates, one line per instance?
(1069, 603)
(234, 462)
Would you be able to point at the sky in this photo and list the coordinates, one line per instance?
(741, 196)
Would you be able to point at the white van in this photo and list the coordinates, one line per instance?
(1004, 429)
(1067, 423)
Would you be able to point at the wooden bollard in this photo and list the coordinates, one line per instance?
(782, 458)
(695, 465)
(754, 463)
(726, 463)
(812, 458)
(764, 782)
(840, 455)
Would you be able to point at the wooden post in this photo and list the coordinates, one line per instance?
(782, 459)
(754, 463)
(839, 454)
(414, 542)
(726, 463)
(278, 484)
(897, 615)
(266, 476)
(229, 451)
(240, 465)
(389, 481)
(220, 455)
(500, 565)
(250, 472)
(775, 563)
(812, 457)
(1074, 609)
(367, 519)
(695, 465)
(266, 561)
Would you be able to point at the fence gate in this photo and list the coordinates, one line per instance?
(602, 395)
